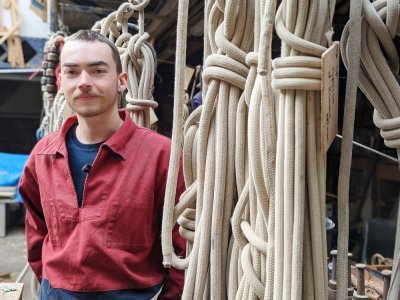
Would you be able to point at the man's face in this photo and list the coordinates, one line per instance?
(89, 78)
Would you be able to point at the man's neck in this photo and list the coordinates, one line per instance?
(99, 128)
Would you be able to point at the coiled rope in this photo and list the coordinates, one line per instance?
(236, 137)
(213, 188)
(300, 188)
(137, 55)
(370, 36)
(255, 170)
(54, 102)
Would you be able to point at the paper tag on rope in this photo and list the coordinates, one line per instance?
(189, 72)
(329, 96)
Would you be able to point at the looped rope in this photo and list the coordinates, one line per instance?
(297, 73)
(390, 129)
(138, 58)
(124, 12)
(224, 68)
(368, 34)
(54, 103)
(379, 57)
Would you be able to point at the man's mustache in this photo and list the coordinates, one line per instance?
(84, 95)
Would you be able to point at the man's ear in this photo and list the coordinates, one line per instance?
(122, 81)
(59, 81)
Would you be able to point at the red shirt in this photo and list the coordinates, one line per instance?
(113, 241)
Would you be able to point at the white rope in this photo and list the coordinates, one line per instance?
(234, 134)
(137, 55)
(378, 80)
(300, 169)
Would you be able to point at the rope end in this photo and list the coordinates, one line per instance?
(167, 265)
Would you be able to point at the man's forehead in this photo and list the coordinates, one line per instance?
(81, 50)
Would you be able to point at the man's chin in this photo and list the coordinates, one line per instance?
(88, 113)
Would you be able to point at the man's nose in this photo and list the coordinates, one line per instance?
(84, 80)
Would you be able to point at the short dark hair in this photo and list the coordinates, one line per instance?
(93, 36)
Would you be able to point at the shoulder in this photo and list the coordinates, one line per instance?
(48, 142)
(152, 138)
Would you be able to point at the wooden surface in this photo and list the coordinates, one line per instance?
(15, 295)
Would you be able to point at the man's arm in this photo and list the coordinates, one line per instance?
(35, 225)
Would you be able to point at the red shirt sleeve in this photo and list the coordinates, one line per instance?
(35, 225)
(173, 285)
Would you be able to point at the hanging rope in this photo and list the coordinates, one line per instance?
(372, 38)
(300, 247)
(264, 257)
(224, 75)
(53, 101)
(137, 55)
(254, 212)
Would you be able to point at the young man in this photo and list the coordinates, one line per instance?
(94, 190)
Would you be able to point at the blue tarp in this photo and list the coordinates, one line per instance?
(11, 167)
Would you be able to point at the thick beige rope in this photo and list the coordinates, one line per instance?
(169, 257)
(137, 55)
(300, 209)
(379, 83)
(224, 74)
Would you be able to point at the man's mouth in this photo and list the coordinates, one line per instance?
(86, 96)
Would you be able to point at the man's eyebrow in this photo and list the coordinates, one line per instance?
(92, 64)
(98, 63)
(69, 65)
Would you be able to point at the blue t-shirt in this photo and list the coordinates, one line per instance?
(80, 160)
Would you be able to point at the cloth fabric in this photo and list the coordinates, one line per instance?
(80, 160)
(47, 292)
(11, 166)
(113, 241)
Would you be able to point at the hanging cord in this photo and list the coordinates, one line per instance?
(169, 212)
(300, 270)
(224, 74)
(252, 257)
(52, 100)
(137, 55)
(378, 80)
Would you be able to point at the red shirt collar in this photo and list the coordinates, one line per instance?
(116, 143)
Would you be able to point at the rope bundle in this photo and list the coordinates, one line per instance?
(382, 89)
(232, 146)
(54, 102)
(252, 257)
(137, 55)
(208, 161)
(369, 35)
(300, 270)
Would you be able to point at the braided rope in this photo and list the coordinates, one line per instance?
(264, 256)
(137, 55)
(300, 169)
(52, 100)
(372, 38)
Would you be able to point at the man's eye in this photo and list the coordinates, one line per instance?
(70, 72)
(99, 71)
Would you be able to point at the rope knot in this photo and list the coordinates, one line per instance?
(139, 104)
(225, 68)
(297, 73)
(390, 129)
(124, 12)
(139, 5)
(187, 224)
(135, 45)
(252, 59)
